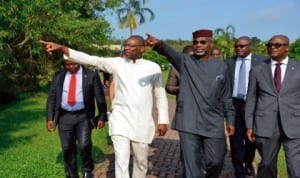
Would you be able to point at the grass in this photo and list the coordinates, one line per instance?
(282, 172)
(27, 149)
(282, 165)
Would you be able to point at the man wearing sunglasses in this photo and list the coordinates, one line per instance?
(272, 109)
(204, 100)
(242, 150)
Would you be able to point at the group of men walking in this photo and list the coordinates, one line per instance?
(257, 96)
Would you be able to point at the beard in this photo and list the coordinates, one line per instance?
(199, 53)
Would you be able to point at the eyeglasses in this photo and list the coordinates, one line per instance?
(241, 46)
(131, 45)
(203, 42)
(276, 45)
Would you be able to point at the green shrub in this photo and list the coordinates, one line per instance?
(157, 58)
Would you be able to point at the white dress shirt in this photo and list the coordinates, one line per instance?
(135, 84)
(79, 94)
(237, 71)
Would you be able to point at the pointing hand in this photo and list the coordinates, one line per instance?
(151, 41)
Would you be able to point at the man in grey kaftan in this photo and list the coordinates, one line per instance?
(204, 100)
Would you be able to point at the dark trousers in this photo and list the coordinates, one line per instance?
(242, 150)
(198, 150)
(268, 148)
(182, 162)
(75, 130)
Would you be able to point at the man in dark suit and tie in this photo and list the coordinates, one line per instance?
(242, 150)
(70, 105)
(273, 109)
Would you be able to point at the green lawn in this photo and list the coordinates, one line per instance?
(27, 149)
(281, 165)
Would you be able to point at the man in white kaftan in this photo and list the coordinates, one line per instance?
(131, 122)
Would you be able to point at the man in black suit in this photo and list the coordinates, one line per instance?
(272, 109)
(242, 150)
(70, 105)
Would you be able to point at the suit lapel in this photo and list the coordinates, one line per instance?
(254, 60)
(84, 82)
(61, 80)
(231, 63)
(289, 72)
(233, 66)
(267, 73)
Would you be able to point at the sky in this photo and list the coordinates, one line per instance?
(177, 19)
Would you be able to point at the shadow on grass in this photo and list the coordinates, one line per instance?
(14, 120)
(96, 153)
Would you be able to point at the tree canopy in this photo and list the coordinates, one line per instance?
(132, 14)
(78, 23)
(295, 49)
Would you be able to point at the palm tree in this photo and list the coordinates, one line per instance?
(132, 14)
(224, 40)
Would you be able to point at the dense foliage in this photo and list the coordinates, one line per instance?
(157, 58)
(24, 23)
(295, 50)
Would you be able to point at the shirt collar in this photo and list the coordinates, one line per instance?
(246, 58)
(78, 72)
(137, 61)
(284, 61)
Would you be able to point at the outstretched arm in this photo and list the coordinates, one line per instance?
(162, 48)
(104, 64)
(51, 46)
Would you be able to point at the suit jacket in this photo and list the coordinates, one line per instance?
(172, 85)
(204, 98)
(264, 104)
(255, 60)
(91, 87)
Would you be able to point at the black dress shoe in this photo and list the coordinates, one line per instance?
(250, 171)
(88, 175)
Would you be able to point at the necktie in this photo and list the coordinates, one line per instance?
(277, 77)
(242, 80)
(72, 90)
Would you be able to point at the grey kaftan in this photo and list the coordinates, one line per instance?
(204, 98)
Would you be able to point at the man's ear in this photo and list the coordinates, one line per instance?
(287, 49)
(142, 49)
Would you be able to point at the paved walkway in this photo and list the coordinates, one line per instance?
(164, 157)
